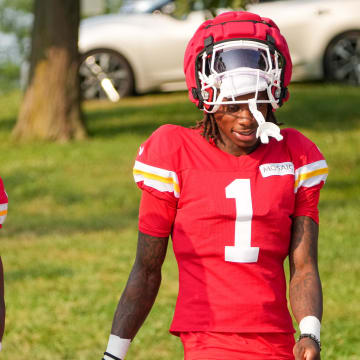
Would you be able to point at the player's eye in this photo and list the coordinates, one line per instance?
(233, 108)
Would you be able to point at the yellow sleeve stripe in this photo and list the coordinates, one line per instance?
(160, 179)
(3, 212)
(311, 174)
(166, 180)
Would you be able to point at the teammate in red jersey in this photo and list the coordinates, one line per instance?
(237, 196)
(3, 213)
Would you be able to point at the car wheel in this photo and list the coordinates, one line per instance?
(342, 59)
(105, 74)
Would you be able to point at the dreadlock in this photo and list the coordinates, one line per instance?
(211, 130)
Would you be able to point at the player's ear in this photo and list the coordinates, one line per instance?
(217, 117)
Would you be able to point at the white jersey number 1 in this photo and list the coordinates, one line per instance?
(241, 252)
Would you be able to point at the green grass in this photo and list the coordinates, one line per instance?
(70, 237)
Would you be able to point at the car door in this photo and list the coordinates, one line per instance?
(296, 19)
(166, 43)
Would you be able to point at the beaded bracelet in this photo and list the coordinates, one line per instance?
(312, 337)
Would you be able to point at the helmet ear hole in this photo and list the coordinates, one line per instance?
(210, 96)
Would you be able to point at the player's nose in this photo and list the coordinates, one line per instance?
(244, 115)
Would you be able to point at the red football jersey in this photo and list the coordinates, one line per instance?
(3, 203)
(232, 227)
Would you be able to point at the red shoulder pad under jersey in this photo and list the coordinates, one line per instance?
(155, 168)
(311, 171)
(3, 203)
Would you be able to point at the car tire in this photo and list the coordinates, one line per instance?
(98, 64)
(342, 59)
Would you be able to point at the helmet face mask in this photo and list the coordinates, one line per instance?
(234, 54)
(239, 67)
(244, 43)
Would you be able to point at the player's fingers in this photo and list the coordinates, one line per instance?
(311, 355)
(299, 352)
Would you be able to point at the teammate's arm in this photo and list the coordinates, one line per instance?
(305, 285)
(3, 213)
(142, 287)
(2, 302)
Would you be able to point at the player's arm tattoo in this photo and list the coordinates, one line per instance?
(142, 286)
(305, 285)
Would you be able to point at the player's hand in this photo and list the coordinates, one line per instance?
(306, 349)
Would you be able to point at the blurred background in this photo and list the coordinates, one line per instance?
(82, 85)
(117, 36)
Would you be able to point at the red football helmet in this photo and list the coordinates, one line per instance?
(237, 53)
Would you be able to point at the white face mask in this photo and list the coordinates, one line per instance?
(242, 67)
(240, 84)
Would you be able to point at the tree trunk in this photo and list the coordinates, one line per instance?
(51, 106)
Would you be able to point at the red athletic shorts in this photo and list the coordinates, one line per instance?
(234, 346)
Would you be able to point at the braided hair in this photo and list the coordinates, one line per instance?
(210, 129)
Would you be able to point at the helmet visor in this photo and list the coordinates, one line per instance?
(227, 60)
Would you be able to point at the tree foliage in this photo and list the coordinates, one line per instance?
(112, 6)
(185, 6)
(16, 18)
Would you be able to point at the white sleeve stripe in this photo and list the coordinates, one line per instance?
(156, 171)
(321, 164)
(3, 212)
(155, 184)
(311, 174)
(312, 181)
(3, 207)
(157, 178)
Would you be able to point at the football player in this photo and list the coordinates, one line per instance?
(3, 213)
(238, 196)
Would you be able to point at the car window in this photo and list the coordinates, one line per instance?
(142, 6)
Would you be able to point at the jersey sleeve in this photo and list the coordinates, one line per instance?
(155, 169)
(156, 216)
(311, 171)
(3, 203)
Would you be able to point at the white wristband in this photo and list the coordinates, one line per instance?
(0, 346)
(117, 347)
(310, 325)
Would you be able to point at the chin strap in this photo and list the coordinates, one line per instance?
(265, 129)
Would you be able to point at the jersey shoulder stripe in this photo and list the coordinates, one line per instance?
(3, 203)
(311, 174)
(157, 178)
(3, 212)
